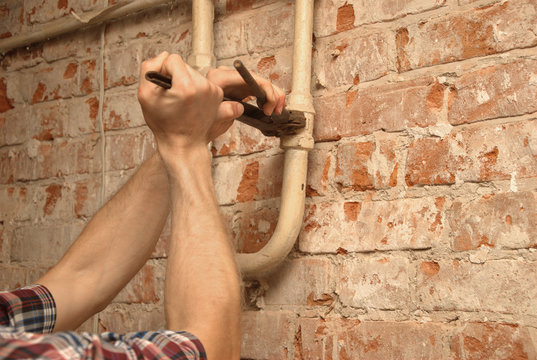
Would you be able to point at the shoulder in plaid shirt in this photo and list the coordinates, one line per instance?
(28, 315)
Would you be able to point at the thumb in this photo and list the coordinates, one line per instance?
(229, 110)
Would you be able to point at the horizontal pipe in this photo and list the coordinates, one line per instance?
(74, 22)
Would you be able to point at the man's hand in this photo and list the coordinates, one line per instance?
(189, 114)
(234, 86)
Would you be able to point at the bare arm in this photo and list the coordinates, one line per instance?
(112, 248)
(202, 293)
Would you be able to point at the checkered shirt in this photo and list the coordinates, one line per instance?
(28, 315)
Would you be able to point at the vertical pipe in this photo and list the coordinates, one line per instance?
(202, 57)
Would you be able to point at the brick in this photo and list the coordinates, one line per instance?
(82, 115)
(6, 102)
(502, 220)
(261, 179)
(340, 15)
(478, 154)
(41, 160)
(320, 170)
(114, 180)
(122, 111)
(13, 126)
(66, 79)
(392, 107)
(50, 120)
(477, 340)
(128, 150)
(11, 18)
(149, 24)
(43, 244)
(229, 38)
(76, 44)
(181, 40)
(15, 203)
(267, 30)
(503, 286)
(23, 58)
(493, 92)
(15, 276)
(368, 165)
(86, 197)
(39, 11)
(253, 225)
(335, 338)
(378, 283)
(477, 32)
(37, 201)
(267, 334)
(146, 287)
(351, 59)
(121, 70)
(242, 139)
(372, 226)
(122, 318)
(306, 281)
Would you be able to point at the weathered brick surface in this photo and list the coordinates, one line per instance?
(493, 92)
(261, 179)
(355, 339)
(15, 276)
(477, 32)
(124, 318)
(504, 286)
(339, 15)
(483, 153)
(382, 283)
(366, 165)
(147, 286)
(270, 29)
(267, 334)
(369, 226)
(391, 107)
(351, 59)
(54, 240)
(302, 282)
(252, 227)
(494, 341)
(418, 238)
(39, 160)
(122, 111)
(502, 221)
(128, 150)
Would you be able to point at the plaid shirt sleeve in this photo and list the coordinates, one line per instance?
(28, 315)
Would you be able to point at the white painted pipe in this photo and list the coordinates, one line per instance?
(296, 155)
(75, 22)
(202, 57)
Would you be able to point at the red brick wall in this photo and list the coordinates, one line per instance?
(419, 238)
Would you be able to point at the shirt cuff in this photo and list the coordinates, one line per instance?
(30, 309)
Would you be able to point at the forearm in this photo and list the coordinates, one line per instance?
(202, 284)
(112, 248)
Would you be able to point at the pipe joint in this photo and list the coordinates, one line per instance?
(202, 62)
(303, 139)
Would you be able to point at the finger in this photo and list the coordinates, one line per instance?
(154, 64)
(230, 110)
(280, 102)
(175, 67)
(272, 98)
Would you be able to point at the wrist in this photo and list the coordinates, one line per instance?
(195, 156)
